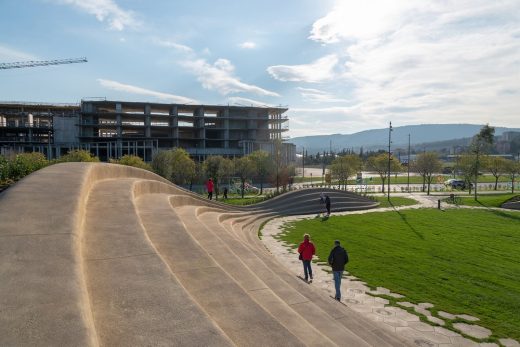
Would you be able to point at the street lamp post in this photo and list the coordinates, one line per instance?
(408, 181)
(389, 157)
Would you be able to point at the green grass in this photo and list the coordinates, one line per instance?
(394, 201)
(490, 200)
(247, 200)
(462, 261)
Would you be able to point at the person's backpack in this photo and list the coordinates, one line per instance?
(346, 256)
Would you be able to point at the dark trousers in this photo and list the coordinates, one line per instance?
(307, 269)
(210, 195)
(328, 208)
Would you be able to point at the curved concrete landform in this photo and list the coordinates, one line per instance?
(102, 254)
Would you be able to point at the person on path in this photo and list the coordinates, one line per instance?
(306, 250)
(225, 192)
(322, 197)
(338, 258)
(209, 187)
(327, 204)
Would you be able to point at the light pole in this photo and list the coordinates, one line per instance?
(408, 181)
(389, 156)
(303, 164)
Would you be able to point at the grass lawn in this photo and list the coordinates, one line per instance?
(247, 200)
(488, 200)
(462, 261)
(394, 201)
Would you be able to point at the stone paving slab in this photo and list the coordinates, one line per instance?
(473, 330)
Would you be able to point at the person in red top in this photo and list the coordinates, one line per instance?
(209, 187)
(306, 250)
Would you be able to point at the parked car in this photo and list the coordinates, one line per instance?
(456, 184)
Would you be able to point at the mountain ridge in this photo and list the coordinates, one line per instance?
(374, 139)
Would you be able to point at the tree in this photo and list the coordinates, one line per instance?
(466, 166)
(132, 160)
(495, 165)
(513, 170)
(24, 164)
(217, 167)
(426, 165)
(264, 166)
(345, 166)
(174, 165)
(379, 164)
(481, 143)
(277, 162)
(4, 169)
(244, 169)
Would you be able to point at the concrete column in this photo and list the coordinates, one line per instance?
(118, 119)
(226, 128)
(147, 121)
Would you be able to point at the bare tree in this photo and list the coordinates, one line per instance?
(244, 169)
(379, 164)
(264, 166)
(345, 166)
(495, 165)
(513, 170)
(466, 166)
(426, 165)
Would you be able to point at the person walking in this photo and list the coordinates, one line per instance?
(209, 188)
(225, 192)
(306, 250)
(338, 258)
(327, 204)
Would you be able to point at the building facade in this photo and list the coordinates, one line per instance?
(111, 129)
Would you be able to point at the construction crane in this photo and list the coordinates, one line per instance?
(34, 63)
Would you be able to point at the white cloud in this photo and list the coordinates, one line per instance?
(425, 62)
(9, 54)
(106, 10)
(320, 70)
(127, 88)
(248, 45)
(219, 77)
(172, 44)
(316, 95)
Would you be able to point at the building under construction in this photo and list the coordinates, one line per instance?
(111, 129)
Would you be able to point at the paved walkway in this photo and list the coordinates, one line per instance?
(356, 293)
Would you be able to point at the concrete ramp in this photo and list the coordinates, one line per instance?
(102, 254)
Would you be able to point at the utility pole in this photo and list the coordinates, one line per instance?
(303, 164)
(408, 181)
(389, 156)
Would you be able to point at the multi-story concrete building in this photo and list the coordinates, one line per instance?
(111, 129)
(38, 127)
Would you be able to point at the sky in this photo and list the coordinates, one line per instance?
(340, 66)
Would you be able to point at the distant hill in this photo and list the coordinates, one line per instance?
(378, 138)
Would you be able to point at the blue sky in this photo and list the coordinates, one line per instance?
(340, 66)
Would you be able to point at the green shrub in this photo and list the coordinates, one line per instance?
(132, 160)
(4, 169)
(25, 163)
(78, 155)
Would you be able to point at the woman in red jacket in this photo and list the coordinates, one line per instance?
(306, 250)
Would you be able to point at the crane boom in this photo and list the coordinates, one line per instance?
(33, 63)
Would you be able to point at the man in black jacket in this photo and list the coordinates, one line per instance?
(337, 259)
